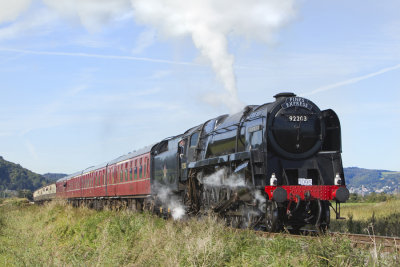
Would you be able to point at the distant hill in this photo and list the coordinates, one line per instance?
(54, 176)
(15, 177)
(373, 180)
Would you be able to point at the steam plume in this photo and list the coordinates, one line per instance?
(208, 23)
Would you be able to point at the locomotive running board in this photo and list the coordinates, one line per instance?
(221, 159)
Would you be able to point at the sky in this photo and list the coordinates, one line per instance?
(85, 81)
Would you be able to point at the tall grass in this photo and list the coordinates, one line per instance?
(363, 211)
(56, 234)
(382, 218)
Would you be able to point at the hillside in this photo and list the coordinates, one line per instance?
(365, 180)
(15, 177)
(54, 176)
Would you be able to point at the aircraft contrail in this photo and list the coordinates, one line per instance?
(71, 54)
(351, 81)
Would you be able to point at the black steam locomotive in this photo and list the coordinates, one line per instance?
(267, 167)
(270, 166)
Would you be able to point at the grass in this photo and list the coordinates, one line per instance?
(364, 211)
(56, 234)
(382, 218)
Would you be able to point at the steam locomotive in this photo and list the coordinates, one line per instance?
(272, 166)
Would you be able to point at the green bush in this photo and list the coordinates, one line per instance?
(372, 197)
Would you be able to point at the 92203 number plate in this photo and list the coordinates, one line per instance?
(298, 118)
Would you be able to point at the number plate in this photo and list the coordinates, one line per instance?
(298, 118)
(304, 181)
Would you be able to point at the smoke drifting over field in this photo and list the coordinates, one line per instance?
(209, 23)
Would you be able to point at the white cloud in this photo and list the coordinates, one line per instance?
(11, 9)
(31, 148)
(25, 25)
(160, 74)
(92, 14)
(207, 22)
(144, 40)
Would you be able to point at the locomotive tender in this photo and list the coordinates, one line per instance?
(270, 166)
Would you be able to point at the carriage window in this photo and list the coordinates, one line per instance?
(140, 169)
(148, 166)
(145, 170)
(126, 175)
(130, 174)
(194, 139)
(120, 176)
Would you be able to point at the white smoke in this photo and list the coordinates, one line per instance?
(209, 23)
(220, 178)
(260, 198)
(170, 200)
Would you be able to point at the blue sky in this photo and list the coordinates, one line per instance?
(83, 84)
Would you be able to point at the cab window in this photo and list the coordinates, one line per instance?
(194, 139)
(256, 139)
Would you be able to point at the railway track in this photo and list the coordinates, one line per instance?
(385, 243)
(379, 243)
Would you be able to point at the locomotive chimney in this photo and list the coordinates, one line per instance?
(284, 95)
